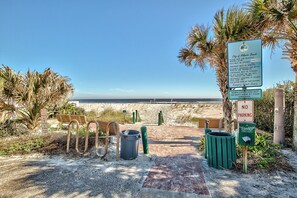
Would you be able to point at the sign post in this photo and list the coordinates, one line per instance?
(244, 71)
(44, 127)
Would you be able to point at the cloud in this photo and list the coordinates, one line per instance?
(123, 90)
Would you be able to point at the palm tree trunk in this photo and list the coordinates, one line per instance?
(295, 114)
(228, 113)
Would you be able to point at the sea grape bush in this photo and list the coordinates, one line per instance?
(264, 108)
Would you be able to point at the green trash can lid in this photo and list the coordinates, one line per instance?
(220, 134)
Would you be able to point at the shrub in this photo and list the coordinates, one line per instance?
(11, 128)
(24, 95)
(181, 119)
(264, 108)
(71, 109)
(23, 145)
(110, 114)
(264, 154)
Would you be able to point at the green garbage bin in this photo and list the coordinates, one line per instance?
(221, 149)
(206, 131)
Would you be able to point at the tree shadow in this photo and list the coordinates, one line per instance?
(174, 143)
(188, 138)
(59, 177)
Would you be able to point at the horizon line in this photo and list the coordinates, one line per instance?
(144, 98)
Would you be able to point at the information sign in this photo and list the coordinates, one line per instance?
(245, 63)
(245, 94)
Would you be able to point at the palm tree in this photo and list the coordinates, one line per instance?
(10, 84)
(279, 19)
(32, 92)
(202, 48)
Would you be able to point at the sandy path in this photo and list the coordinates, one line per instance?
(177, 167)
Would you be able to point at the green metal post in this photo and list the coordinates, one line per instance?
(144, 140)
(136, 119)
(159, 119)
(133, 117)
(162, 119)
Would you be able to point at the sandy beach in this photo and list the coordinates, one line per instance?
(173, 113)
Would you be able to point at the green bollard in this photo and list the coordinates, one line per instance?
(162, 118)
(133, 117)
(159, 119)
(206, 131)
(144, 140)
(136, 117)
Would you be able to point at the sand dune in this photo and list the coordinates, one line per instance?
(172, 112)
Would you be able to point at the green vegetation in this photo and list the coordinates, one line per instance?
(186, 118)
(278, 22)
(264, 108)
(71, 109)
(24, 95)
(24, 145)
(110, 114)
(11, 128)
(265, 153)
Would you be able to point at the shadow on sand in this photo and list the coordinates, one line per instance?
(58, 177)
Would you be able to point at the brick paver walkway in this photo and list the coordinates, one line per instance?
(177, 167)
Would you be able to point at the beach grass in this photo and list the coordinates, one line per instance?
(109, 114)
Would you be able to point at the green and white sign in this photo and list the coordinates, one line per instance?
(245, 64)
(248, 94)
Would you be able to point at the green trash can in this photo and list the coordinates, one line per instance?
(221, 150)
(206, 131)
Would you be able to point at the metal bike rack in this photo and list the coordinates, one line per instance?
(96, 136)
(69, 135)
(117, 132)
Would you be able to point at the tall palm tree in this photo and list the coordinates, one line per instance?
(279, 19)
(232, 25)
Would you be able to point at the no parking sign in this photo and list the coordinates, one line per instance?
(245, 111)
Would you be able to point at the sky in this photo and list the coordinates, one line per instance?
(116, 48)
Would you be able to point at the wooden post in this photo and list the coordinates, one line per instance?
(43, 115)
(244, 158)
(206, 124)
(279, 119)
(295, 114)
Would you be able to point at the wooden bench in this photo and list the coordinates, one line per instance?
(66, 119)
(217, 123)
(112, 127)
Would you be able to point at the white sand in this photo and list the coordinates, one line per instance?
(171, 112)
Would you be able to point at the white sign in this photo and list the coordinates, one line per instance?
(245, 111)
(43, 113)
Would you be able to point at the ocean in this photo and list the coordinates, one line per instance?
(157, 100)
